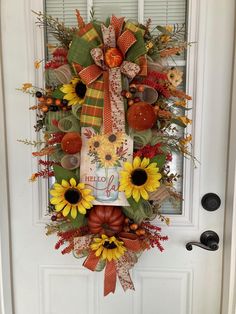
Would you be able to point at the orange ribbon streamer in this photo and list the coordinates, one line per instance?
(110, 278)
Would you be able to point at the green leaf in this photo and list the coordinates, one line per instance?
(133, 203)
(79, 221)
(58, 93)
(61, 173)
(138, 49)
(160, 160)
(163, 30)
(178, 122)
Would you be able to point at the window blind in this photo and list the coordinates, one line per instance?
(161, 12)
(164, 12)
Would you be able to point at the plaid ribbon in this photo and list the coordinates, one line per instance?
(92, 109)
(134, 28)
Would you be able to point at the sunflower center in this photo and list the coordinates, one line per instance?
(73, 196)
(109, 245)
(139, 177)
(96, 144)
(112, 138)
(108, 157)
(80, 89)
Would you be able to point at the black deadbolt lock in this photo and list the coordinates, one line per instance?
(211, 202)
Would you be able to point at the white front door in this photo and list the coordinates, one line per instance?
(176, 281)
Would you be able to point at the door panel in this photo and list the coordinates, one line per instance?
(175, 281)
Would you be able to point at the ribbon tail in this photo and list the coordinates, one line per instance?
(91, 261)
(110, 278)
(125, 279)
(107, 113)
(116, 100)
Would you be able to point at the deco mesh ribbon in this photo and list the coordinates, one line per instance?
(103, 101)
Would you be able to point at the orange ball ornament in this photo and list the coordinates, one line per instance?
(71, 143)
(113, 57)
(141, 116)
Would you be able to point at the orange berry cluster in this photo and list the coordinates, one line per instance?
(132, 227)
(130, 94)
(46, 103)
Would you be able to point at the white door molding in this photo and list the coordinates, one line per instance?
(6, 303)
(229, 262)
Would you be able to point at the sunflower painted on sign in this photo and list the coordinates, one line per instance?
(115, 139)
(95, 143)
(107, 157)
(74, 92)
(139, 178)
(71, 198)
(108, 248)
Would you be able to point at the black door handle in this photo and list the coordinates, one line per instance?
(209, 240)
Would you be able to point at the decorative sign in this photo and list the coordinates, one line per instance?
(102, 158)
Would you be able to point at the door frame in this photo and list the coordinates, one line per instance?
(6, 287)
(229, 255)
(229, 265)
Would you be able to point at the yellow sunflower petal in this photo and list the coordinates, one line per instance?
(128, 192)
(89, 198)
(136, 194)
(56, 200)
(84, 191)
(57, 186)
(73, 182)
(99, 251)
(66, 210)
(136, 162)
(81, 186)
(81, 209)
(85, 204)
(117, 254)
(73, 212)
(145, 162)
(75, 80)
(104, 253)
(109, 255)
(128, 166)
(144, 194)
(56, 193)
(64, 183)
(60, 206)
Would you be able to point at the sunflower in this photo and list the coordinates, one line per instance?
(95, 143)
(115, 139)
(107, 157)
(70, 197)
(108, 248)
(139, 178)
(74, 92)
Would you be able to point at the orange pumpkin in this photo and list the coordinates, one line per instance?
(113, 57)
(71, 143)
(107, 220)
